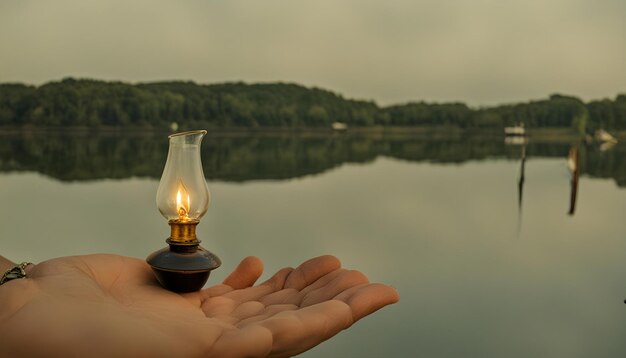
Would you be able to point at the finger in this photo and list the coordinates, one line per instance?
(198, 297)
(322, 281)
(286, 296)
(278, 280)
(368, 298)
(29, 268)
(249, 294)
(268, 312)
(346, 280)
(247, 310)
(218, 306)
(246, 274)
(311, 270)
(226, 311)
(294, 332)
(255, 293)
(226, 303)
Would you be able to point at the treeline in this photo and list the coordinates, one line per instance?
(92, 103)
(96, 103)
(558, 111)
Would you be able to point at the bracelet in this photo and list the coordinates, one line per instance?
(17, 271)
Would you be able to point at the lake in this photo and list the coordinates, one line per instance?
(488, 263)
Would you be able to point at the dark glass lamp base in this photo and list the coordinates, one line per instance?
(183, 267)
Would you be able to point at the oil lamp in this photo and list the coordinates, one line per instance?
(183, 198)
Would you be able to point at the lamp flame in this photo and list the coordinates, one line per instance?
(182, 207)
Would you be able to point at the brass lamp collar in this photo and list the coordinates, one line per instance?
(183, 232)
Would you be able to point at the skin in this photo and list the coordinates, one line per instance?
(112, 306)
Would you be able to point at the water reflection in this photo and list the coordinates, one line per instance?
(244, 157)
(520, 185)
(573, 164)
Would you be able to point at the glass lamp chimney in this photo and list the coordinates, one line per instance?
(183, 195)
(183, 198)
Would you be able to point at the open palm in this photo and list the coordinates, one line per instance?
(109, 305)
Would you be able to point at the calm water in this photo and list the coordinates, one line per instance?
(440, 219)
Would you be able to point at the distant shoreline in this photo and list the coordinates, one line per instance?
(107, 106)
(536, 133)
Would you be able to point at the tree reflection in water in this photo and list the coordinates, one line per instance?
(238, 157)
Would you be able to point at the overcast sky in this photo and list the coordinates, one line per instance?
(477, 51)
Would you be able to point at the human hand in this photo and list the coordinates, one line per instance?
(112, 306)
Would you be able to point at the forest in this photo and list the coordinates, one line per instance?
(103, 104)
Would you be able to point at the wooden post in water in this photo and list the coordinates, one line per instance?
(574, 167)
